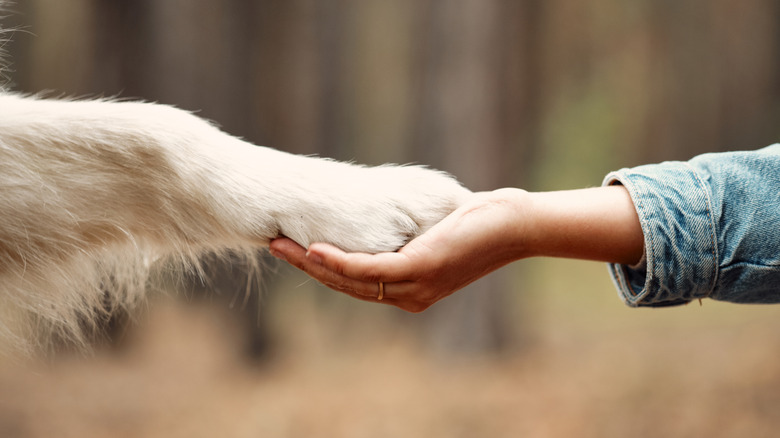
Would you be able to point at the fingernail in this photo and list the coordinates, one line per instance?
(277, 254)
(314, 258)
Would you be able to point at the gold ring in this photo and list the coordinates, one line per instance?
(381, 291)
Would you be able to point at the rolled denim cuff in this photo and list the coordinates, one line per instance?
(675, 212)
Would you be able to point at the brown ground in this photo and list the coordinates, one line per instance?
(696, 371)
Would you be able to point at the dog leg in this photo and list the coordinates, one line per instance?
(94, 193)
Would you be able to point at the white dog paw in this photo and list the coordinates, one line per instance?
(371, 209)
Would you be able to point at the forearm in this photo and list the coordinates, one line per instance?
(593, 224)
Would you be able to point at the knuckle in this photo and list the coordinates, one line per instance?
(338, 267)
(370, 274)
(338, 285)
(372, 277)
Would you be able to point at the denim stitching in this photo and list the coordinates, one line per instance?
(713, 234)
(633, 297)
(642, 213)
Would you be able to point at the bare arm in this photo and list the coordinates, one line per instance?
(486, 233)
(593, 224)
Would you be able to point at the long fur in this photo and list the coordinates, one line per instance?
(97, 196)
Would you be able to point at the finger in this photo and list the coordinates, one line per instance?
(296, 255)
(361, 273)
(371, 268)
(399, 294)
(284, 247)
(404, 304)
(393, 294)
(371, 294)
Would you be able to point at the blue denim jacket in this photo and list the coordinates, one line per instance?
(711, 228)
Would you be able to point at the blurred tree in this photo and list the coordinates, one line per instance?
(471, 60)
(539, 94)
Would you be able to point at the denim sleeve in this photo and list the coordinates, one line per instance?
(711, 229)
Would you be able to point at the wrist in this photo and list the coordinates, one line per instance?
(593, 224)
(534, 227)
(514, 221)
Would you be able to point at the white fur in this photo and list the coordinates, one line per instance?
(97, 195)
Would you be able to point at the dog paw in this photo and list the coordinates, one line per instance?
(370, 209)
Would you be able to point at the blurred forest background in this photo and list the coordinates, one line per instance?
(542, 95)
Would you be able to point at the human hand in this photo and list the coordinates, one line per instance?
(490, 230)
(482, 235)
